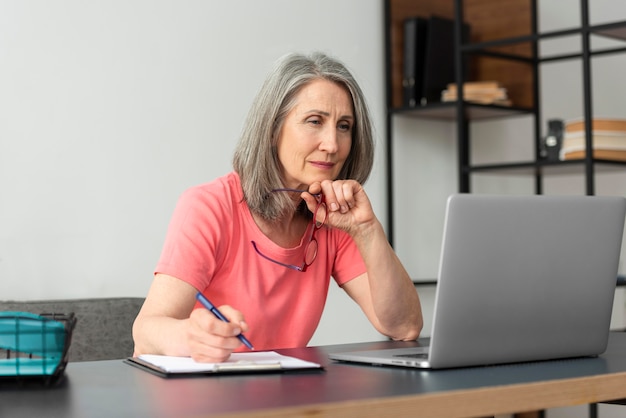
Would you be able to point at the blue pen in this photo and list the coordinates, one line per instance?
(207, 304)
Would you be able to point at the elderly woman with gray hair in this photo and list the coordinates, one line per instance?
(263, 241)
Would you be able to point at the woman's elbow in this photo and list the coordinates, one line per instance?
(409, 331)
(413, 331)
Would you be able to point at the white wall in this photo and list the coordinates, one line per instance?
(109, 109)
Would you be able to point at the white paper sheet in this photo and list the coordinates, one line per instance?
(256, 360)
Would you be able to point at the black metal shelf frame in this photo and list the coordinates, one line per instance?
(462, 51)
(464, 112)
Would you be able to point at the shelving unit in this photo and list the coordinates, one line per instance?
(503, 47)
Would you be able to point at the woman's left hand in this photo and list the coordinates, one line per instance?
(347, 204)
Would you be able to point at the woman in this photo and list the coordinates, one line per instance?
(263, 241)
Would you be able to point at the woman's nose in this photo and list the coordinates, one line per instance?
(329, 141)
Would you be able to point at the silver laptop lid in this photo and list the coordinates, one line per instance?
(525, 278)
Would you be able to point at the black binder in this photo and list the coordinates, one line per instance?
(413, 65)
(439, 60)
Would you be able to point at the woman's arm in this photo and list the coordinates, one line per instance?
(385, 293)
(167, 324)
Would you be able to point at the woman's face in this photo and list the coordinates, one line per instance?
(316, 136)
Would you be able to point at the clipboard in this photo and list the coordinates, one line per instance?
(238, 363)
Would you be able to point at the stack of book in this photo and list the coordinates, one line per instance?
(609, 139)
(483, 92)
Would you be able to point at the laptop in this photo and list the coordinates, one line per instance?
(521, 278)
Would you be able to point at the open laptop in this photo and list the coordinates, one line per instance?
(521, 278)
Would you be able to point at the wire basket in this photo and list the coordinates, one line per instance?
(34, 348)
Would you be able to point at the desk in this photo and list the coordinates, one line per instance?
(114, 389)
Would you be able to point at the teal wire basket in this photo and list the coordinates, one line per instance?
(34, 348)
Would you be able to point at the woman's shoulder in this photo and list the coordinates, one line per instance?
(215, 202)
(222, 188)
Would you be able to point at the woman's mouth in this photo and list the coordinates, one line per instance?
(323, 165)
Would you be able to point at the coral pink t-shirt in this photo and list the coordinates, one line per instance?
(208, 245)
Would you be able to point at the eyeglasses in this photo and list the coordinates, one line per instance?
(310, 250)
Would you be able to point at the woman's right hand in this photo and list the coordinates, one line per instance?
(212, 340)
(168, 324)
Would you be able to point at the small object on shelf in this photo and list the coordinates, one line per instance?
(34, 348)
(552, 142)
(608, 136)
(482, 92)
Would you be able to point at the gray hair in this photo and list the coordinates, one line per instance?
(256, 159)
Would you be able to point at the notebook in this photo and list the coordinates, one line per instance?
(521, 278)
(249, 362)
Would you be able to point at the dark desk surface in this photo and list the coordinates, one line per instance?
(114, 389)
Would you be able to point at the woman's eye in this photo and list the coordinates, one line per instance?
(345, 126)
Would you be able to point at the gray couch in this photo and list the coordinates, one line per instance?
(103, 325)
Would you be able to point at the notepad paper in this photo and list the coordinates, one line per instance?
(257, 360)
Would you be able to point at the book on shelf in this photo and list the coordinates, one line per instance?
(472, 86)
(439, 60)
(602, 154)
(597, 124)
(608, 139)
(482, 92)
(428, 58)
(413, 65)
